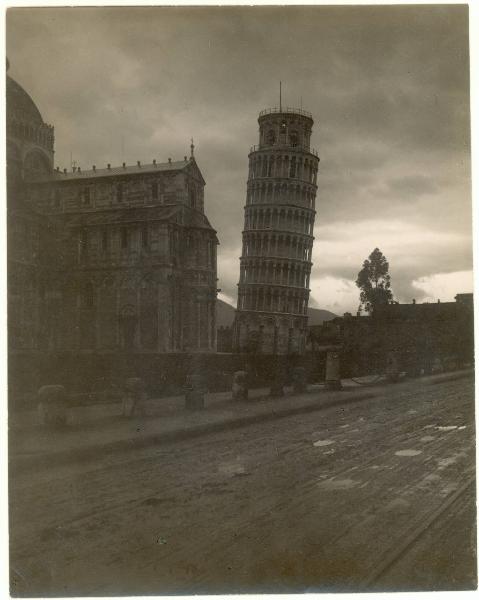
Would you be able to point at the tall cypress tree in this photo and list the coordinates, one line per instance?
(374, 281)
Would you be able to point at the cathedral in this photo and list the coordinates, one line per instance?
(110, 259)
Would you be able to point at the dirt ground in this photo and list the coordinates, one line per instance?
(373, 495)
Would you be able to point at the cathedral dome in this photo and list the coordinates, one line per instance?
(20, 106)
(29, 140)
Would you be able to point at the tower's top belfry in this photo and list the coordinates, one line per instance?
(285, 127)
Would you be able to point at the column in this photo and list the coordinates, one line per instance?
(208, 324)
(198, 324)
(117, 316)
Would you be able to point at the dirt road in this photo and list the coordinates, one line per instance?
(349, 498)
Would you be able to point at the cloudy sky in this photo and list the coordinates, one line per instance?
(388, 88)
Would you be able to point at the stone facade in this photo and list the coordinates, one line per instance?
(422, 336)
(275, 265)
(104, 260)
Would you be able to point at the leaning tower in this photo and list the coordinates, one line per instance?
(275, 265)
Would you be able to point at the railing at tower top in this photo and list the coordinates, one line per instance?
(296, 111)
(257, 147)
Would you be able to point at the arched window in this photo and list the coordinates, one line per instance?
(193, 197)
(292, 167)
(87, 295)
(104, 240)
(271, 137)
(144, 235)
(57, 198)
(86, 196)
(264, 164)
(83, 244)
(124, 237)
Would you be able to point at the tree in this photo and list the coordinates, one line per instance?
(374, 281)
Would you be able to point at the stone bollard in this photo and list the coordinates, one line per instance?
(411, 365)
(196, 382)
(195, 392)
(276, 389)
(413, 371)
(196, 388)
(134, 397)
(52, 405)
(277, 385)
(333, 371)
(240, 385)
(300, 383)
(392, 367)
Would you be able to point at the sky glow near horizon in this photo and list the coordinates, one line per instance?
(388, 87)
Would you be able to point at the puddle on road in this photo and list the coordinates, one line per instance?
(338, 484)
(443, 463)
(446, 462)
(232, 468)
(446, 427)
(323, 443)
(427, 438)
(408, 452)
(452, 487)
(154, 501)
(398, 505)
(431, 478)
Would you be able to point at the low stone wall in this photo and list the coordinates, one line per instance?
(91, 378)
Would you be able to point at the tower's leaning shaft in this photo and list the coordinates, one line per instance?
(275, 264)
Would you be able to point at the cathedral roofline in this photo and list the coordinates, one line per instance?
(138, 169)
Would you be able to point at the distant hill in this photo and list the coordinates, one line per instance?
(319, 315)
(225, 314)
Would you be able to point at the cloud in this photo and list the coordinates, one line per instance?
(413, 185)
(336, 294)
(412, 252)
(388, 87)
(228, 299)
(442, 285)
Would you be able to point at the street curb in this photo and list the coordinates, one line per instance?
(446, 377)
(102, 450)
(344, 397)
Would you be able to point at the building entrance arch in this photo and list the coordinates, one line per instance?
(128, 324)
